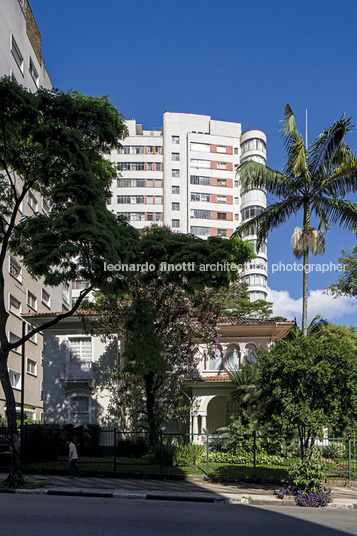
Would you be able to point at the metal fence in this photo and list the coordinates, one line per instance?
(44, 448)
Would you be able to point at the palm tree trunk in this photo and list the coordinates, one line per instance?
(305, 275)
(305, 272)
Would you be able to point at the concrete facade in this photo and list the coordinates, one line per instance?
(21, 59)
(185, 176)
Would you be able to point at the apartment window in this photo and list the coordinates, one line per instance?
(175, 157)
(175, 223)
(31, 300)
(15, 379)
(221, 182)
(221, 199)
(157, 199)
(254, 195)
(124, 150)
(65, 292)
(137, 216)
(137, 199)
(137, 149)
(15, 269)
(31, 367)
(255, 158)
(221, 232)
(221, 149)
(150, 199)
(201, 214)
(236, 200)
(203, 147)
(175, 139)
(203, 181)
(33, 72)
(45, 207)
(46, 298)
(254, 145)
(200, 231)
(175, 206)
(131, 166)
(157, 166)
(195, 163)
(200, 197)
(17, 54)
(236, 217)
(236, 184)
(235, 150)
(150, 216)
(149, 183)
(221, 215)
(34, 337)
(123, 199)
(256, 280)
(32, 201)
(251, 212)
(175, 189)
(158, 149)
(13, 338)
(14, 305)
(80, 410)
(221, 165)
(150, 149)
(150, 166)
(80, 348)
(158, 216)
(175, 173)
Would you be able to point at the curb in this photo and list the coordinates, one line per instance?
(247, 501)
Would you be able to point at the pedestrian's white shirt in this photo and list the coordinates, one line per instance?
(72, 451)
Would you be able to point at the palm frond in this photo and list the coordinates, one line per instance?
(340, 212)
(327, 143)
(307, 240)
(342, 181)
(271, 218)
(296, 152)
(253, 175)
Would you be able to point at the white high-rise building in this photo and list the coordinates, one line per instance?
(185, 176)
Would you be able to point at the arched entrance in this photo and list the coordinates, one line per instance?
(216, 413)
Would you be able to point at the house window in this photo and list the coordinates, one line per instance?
(175, 173)
(80, 348)
(175, 206)
(31, 300)
(15, 269)
(15, 379)
(31, 367)
(32, 202)
(215, 361)
(33, 72)
(17, 54)
(175, 139)
(221, 232)
(46, 298)
(175, 189)
(175, 157)
(14, 305)
(250, 352)
(79, 410)
(232, 356)
(232, 411)
(176, 223)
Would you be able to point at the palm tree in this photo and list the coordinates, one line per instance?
(315, 180)
(245, 392)
(314, 328)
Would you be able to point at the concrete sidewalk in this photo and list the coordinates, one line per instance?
(193, 488)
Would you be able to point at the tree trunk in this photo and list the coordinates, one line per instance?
(150, 403)
(15, 476)
(305, 275)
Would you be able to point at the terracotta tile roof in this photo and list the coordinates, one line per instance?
(218, 378)
(246, 321)
(56, 313)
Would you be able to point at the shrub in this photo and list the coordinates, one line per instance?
(334, 450)
(307, 476)
(313, 498)
(188, 454)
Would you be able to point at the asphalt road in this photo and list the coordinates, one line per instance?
(34, 515)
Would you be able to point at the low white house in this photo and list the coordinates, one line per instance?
(77, 364)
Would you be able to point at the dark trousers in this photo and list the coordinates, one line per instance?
(73, 467)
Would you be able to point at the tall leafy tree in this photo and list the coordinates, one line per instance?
(54, 144)
(315, 182)
(346, 284)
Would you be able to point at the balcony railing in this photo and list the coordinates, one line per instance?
(76, 371)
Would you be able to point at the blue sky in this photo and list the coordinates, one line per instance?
(235, 61)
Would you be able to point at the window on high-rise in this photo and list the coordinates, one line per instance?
(175, 157)
(175, 139)
(175, 206)
(175, 189)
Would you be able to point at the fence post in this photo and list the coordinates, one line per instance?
(115, 449)
(161, 452)
(207, 451)
(349, 461)
(254, 453)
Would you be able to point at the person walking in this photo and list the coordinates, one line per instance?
(73, 459)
